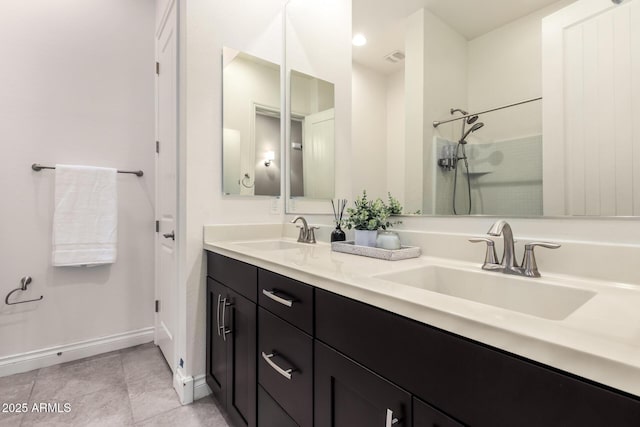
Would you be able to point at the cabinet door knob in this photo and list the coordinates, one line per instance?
(171, 235)
(390, 420)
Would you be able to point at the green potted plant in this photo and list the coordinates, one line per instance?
(369, 216)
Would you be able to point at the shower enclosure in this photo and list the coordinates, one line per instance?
(483, 171)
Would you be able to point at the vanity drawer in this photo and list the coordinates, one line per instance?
(287, 298)
(237, 275)
(283, 347)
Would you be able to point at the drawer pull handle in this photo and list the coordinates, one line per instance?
(276, 298)
(284, 372)
(390, 420)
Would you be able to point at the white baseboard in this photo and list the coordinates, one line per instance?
(190, 389)
(183, 385)
(200, 387)
(31, 360)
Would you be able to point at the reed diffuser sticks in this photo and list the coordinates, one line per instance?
(338, 235)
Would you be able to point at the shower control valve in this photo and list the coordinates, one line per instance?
(448, 157)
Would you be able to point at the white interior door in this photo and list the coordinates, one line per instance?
(166, 189)
(318, 155)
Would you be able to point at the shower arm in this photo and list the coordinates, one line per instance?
(440, 122)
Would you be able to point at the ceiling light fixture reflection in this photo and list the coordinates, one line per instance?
(359, 40)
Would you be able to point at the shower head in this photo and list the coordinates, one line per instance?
(458, 110)
(471, 129)
(472, 119)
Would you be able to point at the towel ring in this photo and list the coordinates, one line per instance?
(246, 176)
(26, 280)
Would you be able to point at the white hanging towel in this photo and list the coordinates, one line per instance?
(85, 219)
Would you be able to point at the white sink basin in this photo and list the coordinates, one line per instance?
(271, 245)
(537, 297)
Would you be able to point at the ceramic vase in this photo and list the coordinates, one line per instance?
(388, 240)
(366, 237)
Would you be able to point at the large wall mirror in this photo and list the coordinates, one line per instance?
(317, 61)
(480, 63)
(251, 140)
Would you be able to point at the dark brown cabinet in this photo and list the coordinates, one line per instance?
(347, 394)
(425, 415)
(308, 357)
(473, 383)
(231, 348)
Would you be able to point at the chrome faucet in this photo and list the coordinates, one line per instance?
(509, 265)
(307, 234)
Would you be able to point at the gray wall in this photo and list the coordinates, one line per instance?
(267, 181)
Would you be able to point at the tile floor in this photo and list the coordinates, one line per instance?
(130, 387)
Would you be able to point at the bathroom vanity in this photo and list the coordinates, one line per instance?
(330, 350)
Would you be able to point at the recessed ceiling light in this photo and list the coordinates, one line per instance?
(359, 40)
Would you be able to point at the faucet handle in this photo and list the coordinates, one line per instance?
(311, 238)
(302, 236)
(529, 265)
(490, 257)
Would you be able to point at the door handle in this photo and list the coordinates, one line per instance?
(218, 314)
(171, 235)
(223, 328)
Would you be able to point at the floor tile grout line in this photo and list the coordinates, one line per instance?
(33, 385)
(157, 415)
(126, 387)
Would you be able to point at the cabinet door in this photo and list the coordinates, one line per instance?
(216, 345)
(347, 394)
(270, 414)
(239, 321)
(425, 415)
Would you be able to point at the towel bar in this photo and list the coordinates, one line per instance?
(38, 167)
(25, 282)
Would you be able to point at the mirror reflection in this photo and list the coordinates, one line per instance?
(425, 61)
(439, 60)
(312, 137)
(251, 160)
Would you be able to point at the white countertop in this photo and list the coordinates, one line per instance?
(599, 341)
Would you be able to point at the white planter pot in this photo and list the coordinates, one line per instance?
(366, 237)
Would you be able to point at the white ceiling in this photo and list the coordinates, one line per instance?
(382, 22)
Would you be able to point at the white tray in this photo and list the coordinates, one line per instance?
(349, 247)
